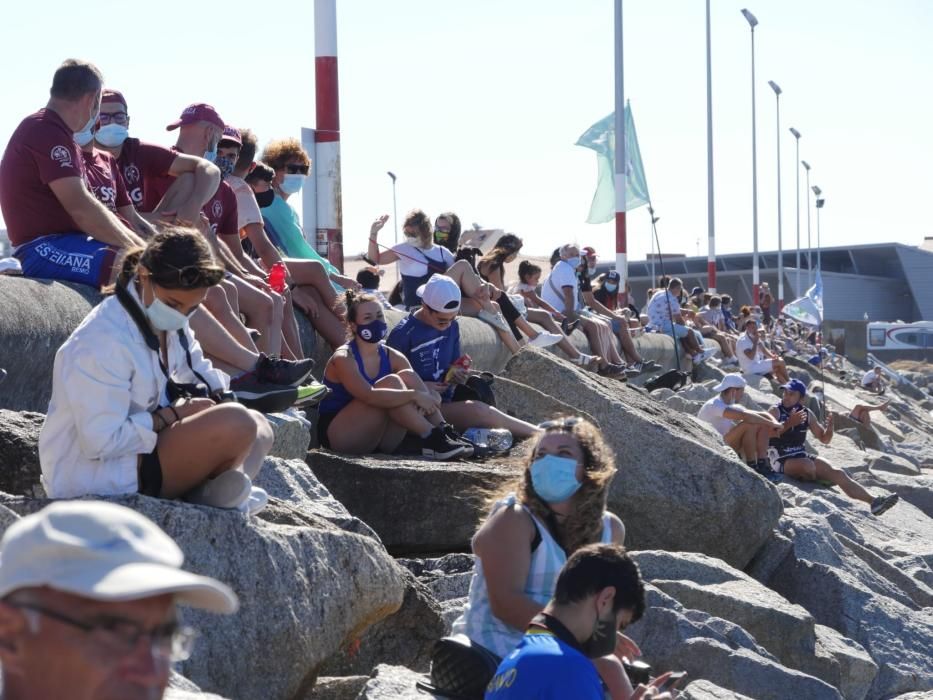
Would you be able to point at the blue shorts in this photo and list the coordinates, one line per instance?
(72, 257)
(777, 456)
(679, 330)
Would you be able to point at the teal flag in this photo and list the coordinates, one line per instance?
(601, 138)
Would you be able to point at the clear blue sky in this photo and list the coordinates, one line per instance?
(476, 105)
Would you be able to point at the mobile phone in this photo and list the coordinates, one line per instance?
(671, 681)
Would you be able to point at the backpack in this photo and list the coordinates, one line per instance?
(672, 379)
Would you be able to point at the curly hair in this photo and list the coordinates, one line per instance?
(585, 524)
(277, 153)
(417, 219)
(349, 303)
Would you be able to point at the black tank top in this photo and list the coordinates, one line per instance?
(796, 436)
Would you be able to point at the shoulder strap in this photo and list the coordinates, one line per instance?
(550, 281)
(183, 339)
(139, 318)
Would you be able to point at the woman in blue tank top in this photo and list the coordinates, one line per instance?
(555, 507)
(788, 453)
(376, 397)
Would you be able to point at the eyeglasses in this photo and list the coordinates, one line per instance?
(114, 117)
(122, 636)
(190, 276)
(560, 423)
(293, 169)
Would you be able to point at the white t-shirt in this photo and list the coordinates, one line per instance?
(712, 412)
(869, 377)
(413, 262)
(713, 317)
(563, 275)
(741, 345)
(247, 209)
(658, 311)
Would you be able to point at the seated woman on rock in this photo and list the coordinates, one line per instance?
(116, 424)
(555, 507)
(376, 397)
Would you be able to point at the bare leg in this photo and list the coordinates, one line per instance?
(292, 340)
(262, 312)
(225, 352)
(543, 319)
(852, 489)
(470, 283)
(628, 345)
(324, 320)
(204, 445)
(476, 414)
(596, 340)
(260, 447)
(312, 273)
(608, 339)
(762, 439)
(218, 304)
(742, 439)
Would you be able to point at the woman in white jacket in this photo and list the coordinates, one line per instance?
(112, 427)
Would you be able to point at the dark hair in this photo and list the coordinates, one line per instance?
(352, 301)
(674, 283)
(714, 301)
(663, 281)
(526, 269)
(395, 296)
(726, 299)
(453, 238)
(260, 171)
(368, 277)
(177, 258)
(74, 79)
(507, 245)
(555, 256)
(597, 566)
(247, 150)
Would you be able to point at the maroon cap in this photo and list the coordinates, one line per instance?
(231, 133)
(198, 112)
(109, 95)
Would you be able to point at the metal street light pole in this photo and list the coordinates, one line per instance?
(806, 165)
(777, 104)
(820, 201)
(394, 205)
(710, 223)
(752, 22)
(796, 134)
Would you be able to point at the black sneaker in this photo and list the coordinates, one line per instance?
(438, 446)
(275, 370)
(883, 503)
(648, 365)
(261, 396)
(632, 371)
(452, 435)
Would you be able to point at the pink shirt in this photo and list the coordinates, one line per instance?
(105, 180)
(41, 150)
(246, 205)
(141, 164)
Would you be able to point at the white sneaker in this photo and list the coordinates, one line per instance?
(544, 339)
(496, 320)
(254, 502)
(585, 360)
(228, 490)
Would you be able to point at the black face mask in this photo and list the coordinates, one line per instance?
(603, 640)
(264, 199)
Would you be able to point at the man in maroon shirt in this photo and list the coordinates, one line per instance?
(196, 179)
(59, 230)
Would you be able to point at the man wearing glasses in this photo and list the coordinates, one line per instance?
(88, 594)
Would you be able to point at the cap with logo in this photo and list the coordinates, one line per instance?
(440, 293)
(730, 381)
(197, 112)
(109, 95)
(795, 385)
(231, 133)
(104, 552)
(613, 276)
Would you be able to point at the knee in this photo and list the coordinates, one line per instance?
(265, 435)
(391, 381)
(238, 425)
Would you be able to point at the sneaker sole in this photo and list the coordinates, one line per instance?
(312, 399)
(458, 451)
(268, 401)
(886, 505)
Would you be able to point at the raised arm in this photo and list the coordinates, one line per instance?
(385, 257)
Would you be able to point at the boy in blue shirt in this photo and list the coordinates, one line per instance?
(430, 338)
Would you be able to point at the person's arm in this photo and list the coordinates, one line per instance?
(596, 306)
(740, 413)
(206, 182)
(246, 265)
(349, 375)
(537, 301)
(267, 252)
(138, 223)
(570, 310)
(821, 433)
(90, 216)
(373, 249)
(503, 544)
(618, 529)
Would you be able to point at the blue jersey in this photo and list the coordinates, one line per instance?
(794, 438)
(431, 352)
(543, 667)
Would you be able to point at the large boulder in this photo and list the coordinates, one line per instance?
(414, 506)
(392, 683)
(19, 453)
(306, 588)
(678, 487)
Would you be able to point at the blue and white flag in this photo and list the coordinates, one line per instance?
(808, 309)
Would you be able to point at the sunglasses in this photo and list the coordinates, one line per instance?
(560, 423)
(189, 277)
(297, 169)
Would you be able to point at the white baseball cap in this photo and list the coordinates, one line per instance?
(440, 293)
(104, 552)
(730, 381)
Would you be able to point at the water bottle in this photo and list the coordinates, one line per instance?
(494, 440)
(276, 277)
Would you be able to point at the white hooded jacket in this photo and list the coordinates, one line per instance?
(105, 384)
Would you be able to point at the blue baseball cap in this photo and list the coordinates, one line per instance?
(796, 385)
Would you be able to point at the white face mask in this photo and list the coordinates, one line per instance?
(112, 135)
(292, 183)
(162, 316)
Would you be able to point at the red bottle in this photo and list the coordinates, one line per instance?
(276, 277)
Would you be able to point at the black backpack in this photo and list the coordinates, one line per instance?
(672, 379)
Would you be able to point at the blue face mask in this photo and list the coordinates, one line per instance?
(611, 287)
(372, 332)
(574, 262)
(225, 164)
(554, 478)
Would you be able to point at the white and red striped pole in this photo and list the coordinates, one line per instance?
(710, 217)
(327, 143)
(620, 156)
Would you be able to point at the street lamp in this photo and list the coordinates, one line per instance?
(752, 23)
(777, 104)
(806, 165)
(394, 205)
(820, 201)
(796, 135)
